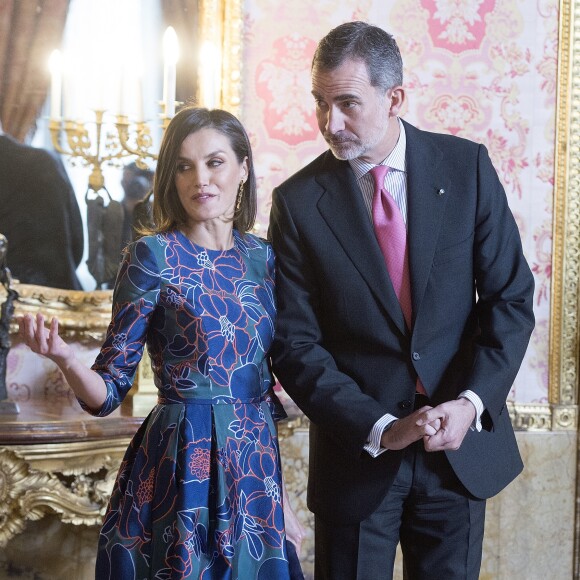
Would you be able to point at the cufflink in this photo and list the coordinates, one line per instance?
(440, 191)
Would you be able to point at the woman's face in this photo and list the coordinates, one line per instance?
(208, 176)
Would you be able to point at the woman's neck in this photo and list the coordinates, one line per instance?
(211, 237)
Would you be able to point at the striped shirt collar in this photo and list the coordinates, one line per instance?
(396, 159)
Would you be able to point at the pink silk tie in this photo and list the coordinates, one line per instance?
(391, 234)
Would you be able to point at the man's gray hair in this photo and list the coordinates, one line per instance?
(361, 41)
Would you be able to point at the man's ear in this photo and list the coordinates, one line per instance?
(397, 101)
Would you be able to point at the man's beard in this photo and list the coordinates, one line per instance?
(345, 149)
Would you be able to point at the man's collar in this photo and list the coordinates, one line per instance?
(395, 160)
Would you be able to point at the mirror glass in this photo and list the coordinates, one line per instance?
(112, 58)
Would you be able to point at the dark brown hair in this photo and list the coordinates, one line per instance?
(168, 213)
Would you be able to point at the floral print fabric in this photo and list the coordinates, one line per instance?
(198, 494)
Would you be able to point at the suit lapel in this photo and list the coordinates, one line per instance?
(427, 194)
(342, 207)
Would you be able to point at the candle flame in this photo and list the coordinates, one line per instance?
(55, 62)
(170, 46)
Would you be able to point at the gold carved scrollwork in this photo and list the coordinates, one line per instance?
(564, 417)
(78, 495)
(221, 21)
(530, 417)
(83, 316)
(232, 56)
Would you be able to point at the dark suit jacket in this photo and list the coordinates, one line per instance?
(39, 215)
(342, 351)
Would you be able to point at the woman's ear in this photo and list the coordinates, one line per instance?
(245, 172)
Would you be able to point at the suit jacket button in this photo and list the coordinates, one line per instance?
(416, 356)
(405, 404)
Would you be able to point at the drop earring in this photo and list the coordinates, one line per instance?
(240, 195)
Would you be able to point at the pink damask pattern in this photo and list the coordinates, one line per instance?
(455, 113)
(458, 25)
(283, 82)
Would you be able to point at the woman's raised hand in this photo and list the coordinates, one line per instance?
(87, 385)
(43, 340)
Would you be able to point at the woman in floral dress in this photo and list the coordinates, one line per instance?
(199, 493)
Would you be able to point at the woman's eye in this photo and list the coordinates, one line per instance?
(214, 163)
(182, 167)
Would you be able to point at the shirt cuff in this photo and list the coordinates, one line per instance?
(479, 408)
(373, 446)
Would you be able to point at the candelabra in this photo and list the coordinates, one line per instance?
(108, 140)
(129, 140)
(94, 144)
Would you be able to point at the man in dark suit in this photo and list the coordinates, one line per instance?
(407, 403)
(39, 216)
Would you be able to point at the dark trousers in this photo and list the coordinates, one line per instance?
(438, 523)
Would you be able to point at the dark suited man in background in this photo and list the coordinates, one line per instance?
(137, 186)
(136, 212)
(404, 312)
(39, 216)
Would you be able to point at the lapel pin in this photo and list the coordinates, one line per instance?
(440, 191)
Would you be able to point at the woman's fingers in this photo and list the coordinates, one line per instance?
(42, 339)
(38, 338)
(27, 329)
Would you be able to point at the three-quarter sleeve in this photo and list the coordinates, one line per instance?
(135, 298)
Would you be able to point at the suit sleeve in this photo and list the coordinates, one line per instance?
(306, 370)
(505, 288)
(72, 218)
(52, 224)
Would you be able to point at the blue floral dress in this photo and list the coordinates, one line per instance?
(198, 494)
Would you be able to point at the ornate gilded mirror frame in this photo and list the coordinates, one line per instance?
(563, 352)
(564, 331)
(561, 412)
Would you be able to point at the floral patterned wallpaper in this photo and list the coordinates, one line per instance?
(481, 69)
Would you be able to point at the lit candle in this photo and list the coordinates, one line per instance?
(55, 64)
(98, 90)
(71, 95)
(209, 75)
(122, 71)
(171, 54)
(139, 87)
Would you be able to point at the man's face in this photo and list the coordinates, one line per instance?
(356, 119)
